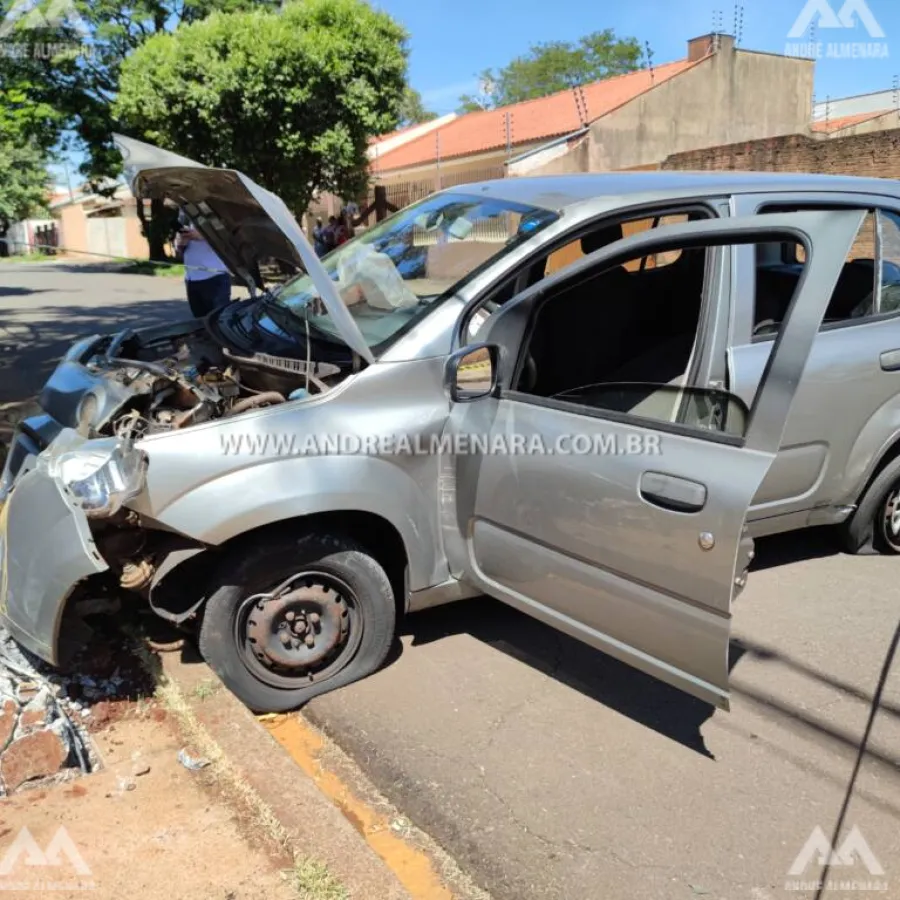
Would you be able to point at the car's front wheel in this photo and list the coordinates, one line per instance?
(875, 523)
(295, 617)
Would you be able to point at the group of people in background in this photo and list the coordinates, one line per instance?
(207, 281)
(338, 231)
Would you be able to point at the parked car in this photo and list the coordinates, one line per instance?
(720, 354)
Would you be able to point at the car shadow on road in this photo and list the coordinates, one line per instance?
(794, 546)
(644, 699)
(34, 338)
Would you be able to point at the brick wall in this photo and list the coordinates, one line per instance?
(876, 155)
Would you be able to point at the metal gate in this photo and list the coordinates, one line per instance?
(106, 236)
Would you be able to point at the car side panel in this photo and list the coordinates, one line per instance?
(845, 409)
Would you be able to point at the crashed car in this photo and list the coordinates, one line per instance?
(581, 395)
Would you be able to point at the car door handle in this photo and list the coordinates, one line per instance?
(673, 492)
(890, 360)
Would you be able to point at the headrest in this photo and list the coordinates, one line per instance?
(600, 238)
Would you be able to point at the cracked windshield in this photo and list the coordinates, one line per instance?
(392, 274)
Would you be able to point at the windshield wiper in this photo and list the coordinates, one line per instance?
(289, 321)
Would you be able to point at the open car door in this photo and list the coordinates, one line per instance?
(637, 551)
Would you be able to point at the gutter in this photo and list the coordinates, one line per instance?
(554, 143)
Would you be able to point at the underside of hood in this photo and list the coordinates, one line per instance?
(243, 222)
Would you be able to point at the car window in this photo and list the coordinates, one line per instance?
(391, 275)
(602, 234)
(858, 294)
(634, 354)
(573, 251)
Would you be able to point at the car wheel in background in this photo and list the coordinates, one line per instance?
(875, 524)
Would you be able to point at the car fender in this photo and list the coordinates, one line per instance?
(874, 441)
(277, 490)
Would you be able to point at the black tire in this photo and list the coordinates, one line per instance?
(868, 528)
(241, 633)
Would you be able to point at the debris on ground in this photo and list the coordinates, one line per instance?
(47, 716)
(190, 762)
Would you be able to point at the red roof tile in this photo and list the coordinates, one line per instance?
(531, 120)
(830, 125)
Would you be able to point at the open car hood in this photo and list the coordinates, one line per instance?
(242, 222)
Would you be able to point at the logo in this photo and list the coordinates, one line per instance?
(853, 849)
(848, 864)
(24, 29)
(820, 14)
(28, 15)
(25, 855)
(845, 17)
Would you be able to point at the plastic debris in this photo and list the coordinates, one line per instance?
(189, 762)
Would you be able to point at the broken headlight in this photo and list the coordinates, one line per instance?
(102, 477)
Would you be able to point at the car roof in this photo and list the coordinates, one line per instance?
(558, 192)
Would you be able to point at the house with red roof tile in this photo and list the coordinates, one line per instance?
(719, 93)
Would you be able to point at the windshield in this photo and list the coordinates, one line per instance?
(390, 275)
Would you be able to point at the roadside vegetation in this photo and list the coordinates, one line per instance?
(25, 258)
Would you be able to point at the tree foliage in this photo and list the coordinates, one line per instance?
(23, 182)
(291, 98)
(80, 78)
(555, 66)
(412, 110)
(26, 133)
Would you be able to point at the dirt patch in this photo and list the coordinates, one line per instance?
(131, 833)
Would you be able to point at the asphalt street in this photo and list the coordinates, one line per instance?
(551, 771)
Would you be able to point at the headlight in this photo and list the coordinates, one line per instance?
(102, 478)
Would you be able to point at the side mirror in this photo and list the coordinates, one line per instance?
(472, 373)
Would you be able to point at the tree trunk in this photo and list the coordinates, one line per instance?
(158, 228)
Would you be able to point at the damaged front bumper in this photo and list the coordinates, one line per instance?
(46, 546)
(46, 550)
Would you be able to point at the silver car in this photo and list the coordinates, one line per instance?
(581, 395)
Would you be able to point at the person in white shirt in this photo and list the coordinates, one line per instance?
(206, 277)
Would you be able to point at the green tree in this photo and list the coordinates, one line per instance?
(412, 110)
(291, 98)
(26, 132)
(80, 79)
(24, 183)
(556, 66)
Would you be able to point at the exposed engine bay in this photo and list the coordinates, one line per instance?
(132, 385)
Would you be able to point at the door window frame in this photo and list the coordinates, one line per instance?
(745, 262)
(717, 206)
(725, 288)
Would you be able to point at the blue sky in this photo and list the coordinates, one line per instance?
(453, 40)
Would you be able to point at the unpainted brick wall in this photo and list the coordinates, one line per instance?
(874, 155)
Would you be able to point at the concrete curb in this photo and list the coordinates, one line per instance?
(300, 816)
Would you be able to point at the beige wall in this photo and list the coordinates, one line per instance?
(733, 96)
(72, 230)
(135, 243)
(727, 98)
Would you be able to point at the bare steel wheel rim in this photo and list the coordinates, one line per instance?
(302, 632)
(890, 523)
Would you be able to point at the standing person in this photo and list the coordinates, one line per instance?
(342, 229)
(319, 243)
(328, 235)
(206, 277)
